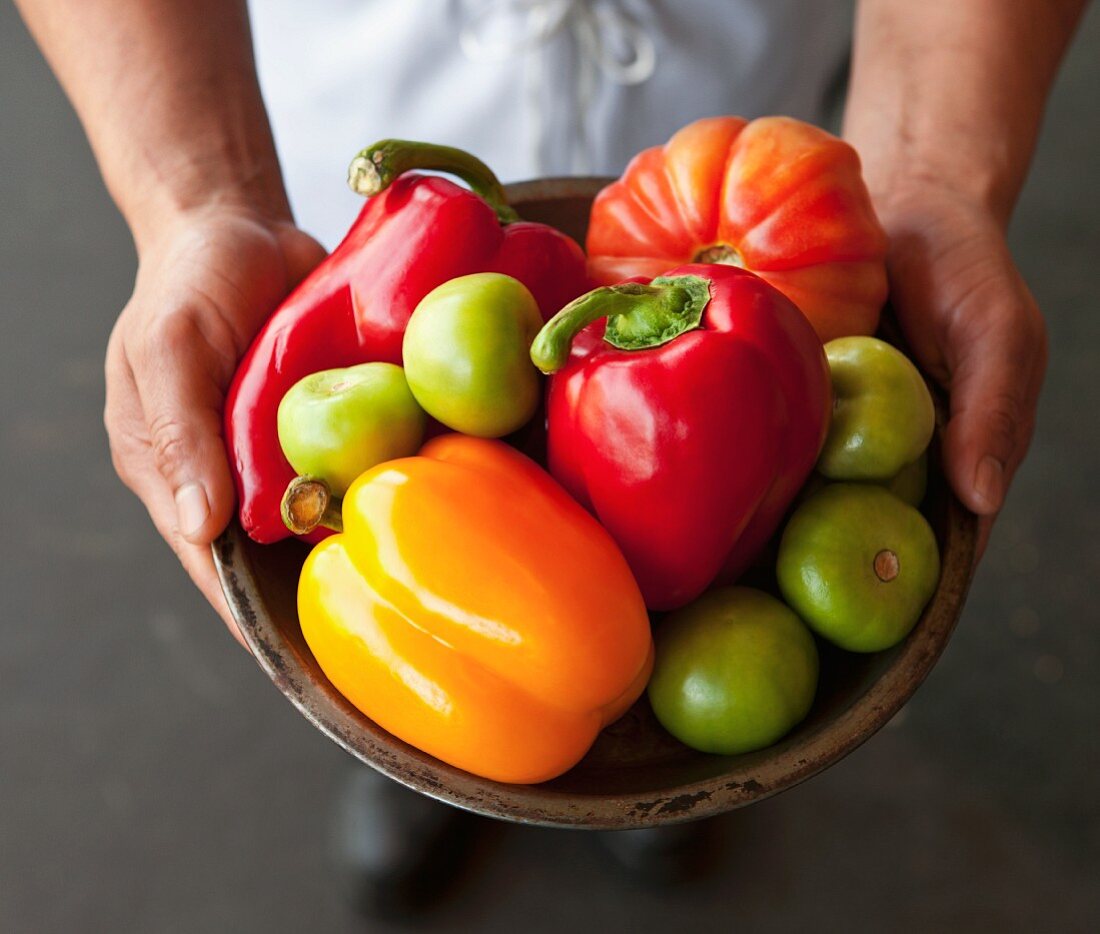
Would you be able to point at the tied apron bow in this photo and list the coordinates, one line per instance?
(501, 30)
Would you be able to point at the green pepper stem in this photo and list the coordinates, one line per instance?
(309, 503)
(374, 169)
(639, 317)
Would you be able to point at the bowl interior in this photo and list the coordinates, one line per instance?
(636, 774)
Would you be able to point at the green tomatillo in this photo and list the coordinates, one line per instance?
(858, 565)
(734, 671)
(909, 484)
(883, 415)
(466, 354)
(335, 424)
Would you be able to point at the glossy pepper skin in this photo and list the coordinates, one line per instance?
(474, 610)
(688, 452)
(777, 196)
(417, 233)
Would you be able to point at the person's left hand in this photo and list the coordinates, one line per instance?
(974, 326)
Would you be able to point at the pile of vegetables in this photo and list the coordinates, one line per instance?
(505, 561)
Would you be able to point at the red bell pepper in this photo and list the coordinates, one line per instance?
(687, 421)
(416, 234)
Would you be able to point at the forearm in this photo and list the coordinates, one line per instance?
(952, 93)
(167, 93)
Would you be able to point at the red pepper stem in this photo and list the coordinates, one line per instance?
(308, 503)
(639, 317)
(375, 168)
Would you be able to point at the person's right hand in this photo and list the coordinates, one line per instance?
(206, 282)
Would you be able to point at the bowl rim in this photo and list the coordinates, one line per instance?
(747, 780)
(544, 806)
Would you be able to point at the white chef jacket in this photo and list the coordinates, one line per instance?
(533, 87)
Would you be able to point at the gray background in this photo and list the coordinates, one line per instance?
(152, 780)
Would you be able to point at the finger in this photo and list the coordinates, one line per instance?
(179, 376)
(197, 560)
(132, 456)
(985, 528)
(997, 374)
(199, 563)
(302, 253)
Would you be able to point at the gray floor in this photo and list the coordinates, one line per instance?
(151, 780)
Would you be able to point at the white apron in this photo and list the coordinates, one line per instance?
(533, 87)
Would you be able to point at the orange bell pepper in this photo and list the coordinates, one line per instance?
(476, 611)
(777, 196)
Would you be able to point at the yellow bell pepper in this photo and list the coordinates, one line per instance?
(476, 611)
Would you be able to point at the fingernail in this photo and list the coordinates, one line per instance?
(192, 508)
(989, 483)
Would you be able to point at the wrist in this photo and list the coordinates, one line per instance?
(949, 96)
(186, 190)
(901, 171)
(917, 194)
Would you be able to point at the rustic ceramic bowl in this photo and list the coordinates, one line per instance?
(636, 775)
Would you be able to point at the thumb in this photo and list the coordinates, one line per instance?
(1000, 359)
(181, 399)
(301, 252)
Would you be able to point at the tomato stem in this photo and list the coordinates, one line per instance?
(309, 503)
(721, 254)
(887, 566)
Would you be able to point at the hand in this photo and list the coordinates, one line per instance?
(205, 284)
(974, 326)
